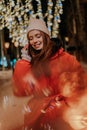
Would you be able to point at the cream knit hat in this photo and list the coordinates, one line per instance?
(37, 24)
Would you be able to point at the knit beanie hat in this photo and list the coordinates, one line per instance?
(37, 24)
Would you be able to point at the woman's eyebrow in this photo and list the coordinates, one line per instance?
(37, 34)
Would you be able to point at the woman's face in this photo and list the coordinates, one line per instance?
(36, 39)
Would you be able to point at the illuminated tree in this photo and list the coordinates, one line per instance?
(15, 15)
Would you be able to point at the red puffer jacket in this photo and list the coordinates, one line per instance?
(26, 84)
(60, 63)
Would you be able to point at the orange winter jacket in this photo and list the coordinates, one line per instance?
(67, 77)
(60, 63)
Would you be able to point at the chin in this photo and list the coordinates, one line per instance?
(40, 48)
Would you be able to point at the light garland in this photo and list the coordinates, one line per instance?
(57, 19)
(15, 16)
(39, 9)
(49, 15)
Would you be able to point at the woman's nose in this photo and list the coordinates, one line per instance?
(34, 39)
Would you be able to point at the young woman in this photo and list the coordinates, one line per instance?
(49, 74)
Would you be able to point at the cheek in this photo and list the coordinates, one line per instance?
(42, 41)
(42, 44)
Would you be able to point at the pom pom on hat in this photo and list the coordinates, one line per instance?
(37, 24)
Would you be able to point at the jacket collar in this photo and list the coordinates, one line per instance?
(58, 53)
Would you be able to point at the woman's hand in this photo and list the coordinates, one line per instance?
(24, 54)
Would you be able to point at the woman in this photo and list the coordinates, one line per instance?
(39, 74)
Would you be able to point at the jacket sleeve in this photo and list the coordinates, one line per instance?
(20, 86)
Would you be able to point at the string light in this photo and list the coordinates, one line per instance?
(39, 9)
(15, 15)
(49, 15)
(58, 10)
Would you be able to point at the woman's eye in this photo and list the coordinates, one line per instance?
(38, 36)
